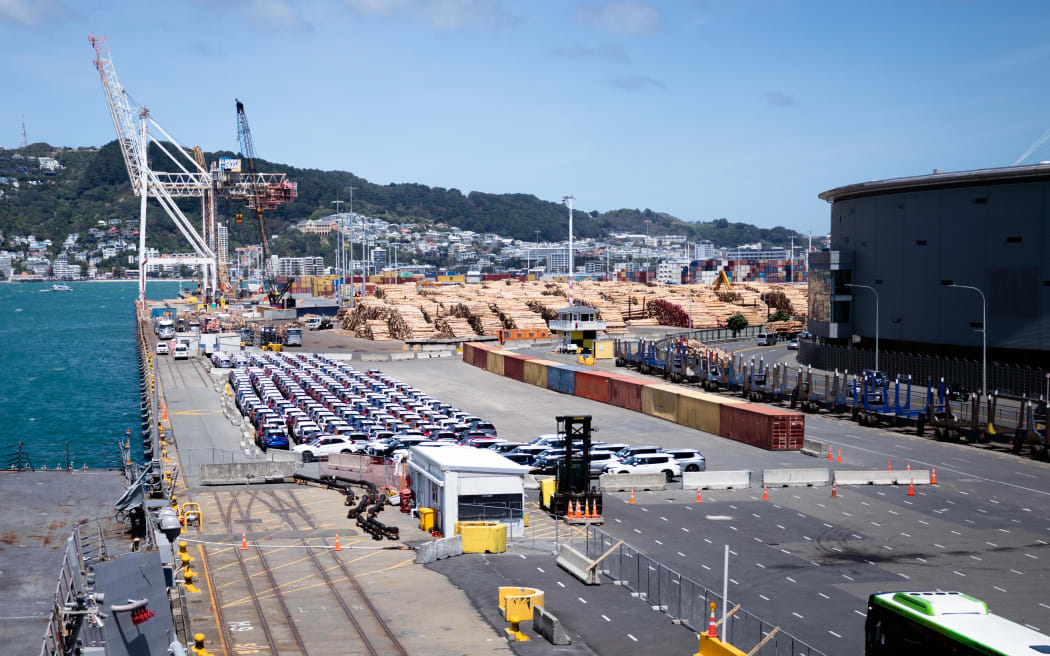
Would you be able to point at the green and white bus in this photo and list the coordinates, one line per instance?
(944, 624)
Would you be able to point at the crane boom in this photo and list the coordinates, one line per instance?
(257, 197)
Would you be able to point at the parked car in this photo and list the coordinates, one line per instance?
(162, 348)
(793, 345)
(766, 339)
(631, 451)
(689, 460)
(600, 460)
(649, 463)
(325, 446)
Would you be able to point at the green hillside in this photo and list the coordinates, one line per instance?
(94, 186)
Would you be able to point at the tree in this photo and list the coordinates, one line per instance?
(83, 270)
(780, 315)
(736, 322)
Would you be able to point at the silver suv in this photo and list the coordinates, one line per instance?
(690, 460)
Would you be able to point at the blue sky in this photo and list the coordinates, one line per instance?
(701, 108)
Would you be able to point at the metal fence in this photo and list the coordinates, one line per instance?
(715, 335)
(687, 601)
(960, 374)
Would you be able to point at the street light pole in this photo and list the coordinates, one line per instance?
(873, 291)
(569, 200)
(984, 336)
(339, 250)
(647, 261)
(352, 288)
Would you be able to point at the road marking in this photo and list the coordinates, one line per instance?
(954, 532)
(924, 523)
(757, 539)
(905, 534)
(856, 536)
(998, 588)
(658, 542)
(937, 545)
(541, 570)
(875, 524)
(681, 554)
(1016, 572)
(1005, 530)
(982, 510)
(732, 528)
(921, 560)
(786, 551)
(663, 518)
(1043, 605)
(708, 541)
(955, 571)
(806, 537)
(846, 514)
(887, 548)
(904, 575)
(733, 552)
(582, 600)
(791, 579)
(706, 567)
(859, 613)
(756, 515)
(560, 583)
(618, 521)
(864, 503)
(823, 595)
(685, 529)
(761, 565)
(733, 581)
(1031, 556)
(781, 527)
(828, 525)
(974, 557)
(893, 512)
(1034, 628)
(632, 637)
(637, 531)
(834, 634)
(764, 597)
(836, 549)
(991, 544)
(606, 618)
(797, 615)
(992, 501)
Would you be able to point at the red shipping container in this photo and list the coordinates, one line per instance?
(626, 391)
(481, 356)
(767, 428)
(514, 366)
(593, 385)
(468, 353)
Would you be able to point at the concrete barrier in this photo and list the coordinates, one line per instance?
(403, 355)
(577, 564)
(795, 477)
(814, 448)
(549, 626)
(717, 480)
(899, 477)
(245, 473)
(623, 482)
(439, 549)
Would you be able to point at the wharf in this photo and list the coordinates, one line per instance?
(36, 521)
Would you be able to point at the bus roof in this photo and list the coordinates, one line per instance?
(967, 619)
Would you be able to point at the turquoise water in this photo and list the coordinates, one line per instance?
(68, 370)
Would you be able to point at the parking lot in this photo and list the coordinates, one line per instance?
(803, 560)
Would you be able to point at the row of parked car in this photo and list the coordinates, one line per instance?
(316, 406)
(544, 454)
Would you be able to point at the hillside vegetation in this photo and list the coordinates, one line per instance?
(94, 186)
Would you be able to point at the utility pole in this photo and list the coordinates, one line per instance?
(647, 261)
(569, 200)
(339, 250)
(352, 287)
(792, 274)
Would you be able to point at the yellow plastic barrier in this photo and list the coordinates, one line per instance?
(426, 519)
(715, 647)
(547, 486)
(518, 605)
(483, 537)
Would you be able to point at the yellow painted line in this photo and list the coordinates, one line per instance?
(211, 594)
(273, 590)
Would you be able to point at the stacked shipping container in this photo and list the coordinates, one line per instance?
(773, 429)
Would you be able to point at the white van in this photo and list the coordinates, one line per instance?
(767, 339)
(181, 352)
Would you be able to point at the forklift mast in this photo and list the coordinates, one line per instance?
(574, 471)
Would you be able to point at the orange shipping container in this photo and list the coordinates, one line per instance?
(593, 385)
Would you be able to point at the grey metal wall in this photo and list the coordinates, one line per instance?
(994, 237)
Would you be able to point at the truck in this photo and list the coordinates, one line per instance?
(165, 328)
(292, 335)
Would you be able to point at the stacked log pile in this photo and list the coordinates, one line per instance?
(453, 328)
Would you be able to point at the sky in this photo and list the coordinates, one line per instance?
(700, 108)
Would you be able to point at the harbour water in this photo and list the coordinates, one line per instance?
(69, 371)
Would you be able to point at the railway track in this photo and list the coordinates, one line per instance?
(269, 600)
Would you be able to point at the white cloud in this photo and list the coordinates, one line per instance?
(622, 17)
(33, 12)
(609, 52)
(441, 14)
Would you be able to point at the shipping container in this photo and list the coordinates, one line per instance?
(468, 353)
(561, 378)
(661, 401)
(536, 372)
(514, 366)
(481, 356)
(701, 410)
(495, 362)
(166, 312)
(626, 391)
(773, 429)
(593, 385)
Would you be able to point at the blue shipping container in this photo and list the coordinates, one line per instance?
(164, 312)
(561, 379)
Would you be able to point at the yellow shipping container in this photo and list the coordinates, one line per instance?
(536, 372)
(701, 410)
(661, 401)
(495, 362)
(603, 350)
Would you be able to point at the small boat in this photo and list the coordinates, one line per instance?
(59, 287)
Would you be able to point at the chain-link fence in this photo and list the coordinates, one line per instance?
(687, 601)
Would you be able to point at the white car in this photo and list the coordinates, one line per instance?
(181, 352)
(689, 459)
(162, 348)
(650, 463)
(325, 446)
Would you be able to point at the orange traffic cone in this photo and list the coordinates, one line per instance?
(712, 628)
(933, 476)
(840, 455)
(888, 468)
(337, 547)
(632, 496)
(244, 541)
(698, 498)
(574, 511)
(765, 494)
(591, 514)
(834, 492)
(909, 466)
(831, 455)
(911, 488)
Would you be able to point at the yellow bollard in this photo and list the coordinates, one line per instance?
(198, 645)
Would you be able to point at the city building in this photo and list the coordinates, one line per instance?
(704, 250)
(299, 266)
(902, 242)
(670, 272)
